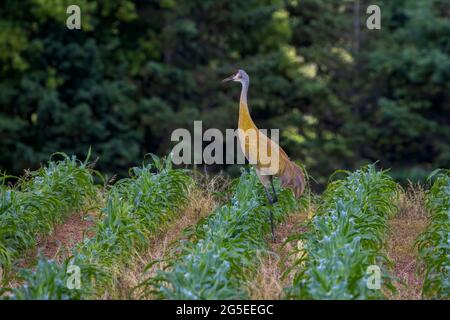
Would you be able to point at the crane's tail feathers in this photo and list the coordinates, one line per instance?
(294, 179)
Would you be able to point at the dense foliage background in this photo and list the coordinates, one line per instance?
(341, 94)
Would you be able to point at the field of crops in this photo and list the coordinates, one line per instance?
(341, 244)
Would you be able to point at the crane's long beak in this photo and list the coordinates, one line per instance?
(228, 79)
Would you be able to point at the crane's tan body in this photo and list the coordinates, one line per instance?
(290, 174)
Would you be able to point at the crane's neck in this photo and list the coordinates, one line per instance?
(245, 119)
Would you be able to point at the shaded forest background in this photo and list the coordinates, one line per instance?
(341, 94)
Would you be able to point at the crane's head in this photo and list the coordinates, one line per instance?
(240, 76)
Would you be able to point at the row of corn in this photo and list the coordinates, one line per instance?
(39, 201)
(222, 253)
(434, 243)
(136, 208)
(341, 254)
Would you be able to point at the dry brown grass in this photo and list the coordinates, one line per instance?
(202, 201)
(268, 283)
(57, 245)
(404, 228)
(411, 203)
(75, 228)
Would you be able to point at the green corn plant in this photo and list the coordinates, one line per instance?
(136, 208)
(218, 260)
(344, 238)
(40, 200)
(434, 243)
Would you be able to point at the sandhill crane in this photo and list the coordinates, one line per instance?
(290, 174)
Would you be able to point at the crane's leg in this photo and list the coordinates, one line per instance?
(272, 227)
(268, 195)
(275, 197)
(265, 181)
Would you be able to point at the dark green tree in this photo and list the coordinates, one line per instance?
(342, 95)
